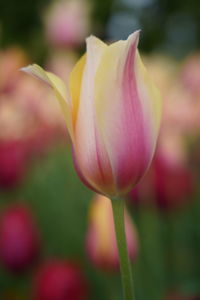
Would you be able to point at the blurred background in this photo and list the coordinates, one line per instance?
(53, 241)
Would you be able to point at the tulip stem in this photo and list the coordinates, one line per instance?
(125, 267)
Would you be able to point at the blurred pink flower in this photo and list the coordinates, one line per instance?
(101, 243)
(190, 73)
(24, 117)
(10, 61)
(181, 112)
(67, 23)
(60, 280)
(19, 238)
(180, 89)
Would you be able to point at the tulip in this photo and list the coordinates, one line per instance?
(173, 183)
(13, 163)
(168, 184)
(67, 23)
(60, 280)
(101, 244)
(112, 111)
(19, 238)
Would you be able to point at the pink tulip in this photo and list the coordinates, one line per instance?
(67, 23)
(19, 238)
(101, 242)
(112, 111)
(60, 280)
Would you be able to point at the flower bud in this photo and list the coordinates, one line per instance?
(60, 280)
(169, 183)
(67, 23)
(13, 161)
(112, 112)
(19, 238)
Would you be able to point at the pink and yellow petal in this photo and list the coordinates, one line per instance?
(59, 88)
(75, 82)
(123, 117)
(89, 150)
(149, 95)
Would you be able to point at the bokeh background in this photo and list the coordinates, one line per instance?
(52, 238)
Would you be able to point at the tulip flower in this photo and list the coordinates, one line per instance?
(101, 242)
(168, 185)
(112, 111)
(13, 163)
(19, 238)
(67, 23)
(173, 182)
(60, 280)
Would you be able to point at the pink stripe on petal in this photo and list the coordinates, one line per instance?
(134, 150)
(123, 117)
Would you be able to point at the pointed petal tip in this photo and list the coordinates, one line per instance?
(29, 69)
(135, 36)
(25, 69)
(93, 41)
(91, 38)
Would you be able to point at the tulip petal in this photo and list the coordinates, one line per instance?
(75, 81)
(59, 88)
(125, 111)
(89, 151)
(149, 94)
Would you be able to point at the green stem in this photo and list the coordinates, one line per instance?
(125, 267)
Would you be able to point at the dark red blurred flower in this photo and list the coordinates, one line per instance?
(60, 280)
(167, 185)
(13, 161)
(173, 183)
(19, 238)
